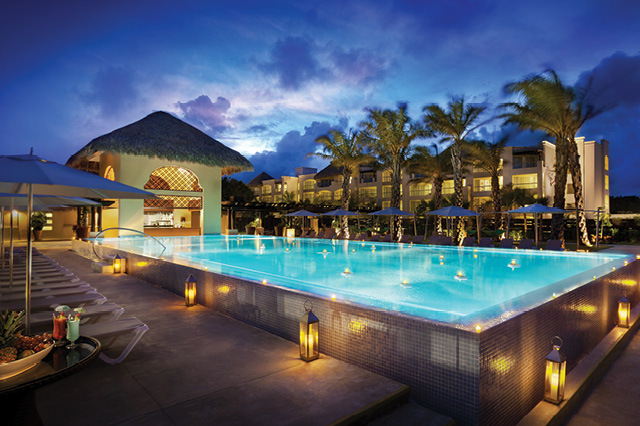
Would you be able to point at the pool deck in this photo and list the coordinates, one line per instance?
(196, 366)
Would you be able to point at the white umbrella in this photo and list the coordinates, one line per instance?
(536, 209)
(455, 211)
(29, 174)
(391, 211)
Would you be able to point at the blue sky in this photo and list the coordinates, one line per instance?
(266, 78)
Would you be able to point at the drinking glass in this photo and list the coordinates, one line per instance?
(59, 328)
(73, 331)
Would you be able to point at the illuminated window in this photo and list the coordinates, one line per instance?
(386, 176)
(266, 199)
(606, 162)
(413, 204)
(337, 195)
(109, 173)
(420, 189)
(324, 196)
(368, 193)
(278, 187)
(266, 189)
(606, 182)
(480, 202)
(447, 187)
(481, 184)
(277, 198)
(170, 202)
(386, 204)
(174, 179)
(285, 187)
(309, 184)
(529, 181)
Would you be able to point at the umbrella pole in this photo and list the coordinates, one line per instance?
(536, 219)
(478, 228)
(27, 290)
(426, 226)
(508, 224)
(597, 232)
(2, 218)
(359, 230)
(415, 226)
(11, 244)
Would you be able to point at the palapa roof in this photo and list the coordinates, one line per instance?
(161, 135)
(257, 181)
(329, 171)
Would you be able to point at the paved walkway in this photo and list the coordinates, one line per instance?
(195, 366)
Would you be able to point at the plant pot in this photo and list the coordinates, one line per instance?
(82, 232)
(37, 234)
(279, 230)
(250, 230)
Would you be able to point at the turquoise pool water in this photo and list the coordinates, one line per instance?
(451, 284)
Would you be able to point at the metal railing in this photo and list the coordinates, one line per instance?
(93, 245)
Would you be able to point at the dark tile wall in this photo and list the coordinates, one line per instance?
(489, 378)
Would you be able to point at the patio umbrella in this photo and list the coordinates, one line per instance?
(303, 213)
(536, 209)
(29, 174)
(19, 201)
(455, 211)
(392, 211)
(342, 212)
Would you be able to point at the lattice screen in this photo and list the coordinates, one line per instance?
(173, 178)
(175, 202)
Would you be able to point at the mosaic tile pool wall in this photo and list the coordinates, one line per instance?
(490, 378)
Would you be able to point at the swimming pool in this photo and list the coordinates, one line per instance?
(450, 284)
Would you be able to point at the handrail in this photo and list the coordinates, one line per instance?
(124, 229)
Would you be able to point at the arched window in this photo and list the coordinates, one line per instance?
(110, 173)
(173, 178)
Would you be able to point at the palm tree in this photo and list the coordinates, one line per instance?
(559, 111)
(454, 125)
(389, 134)
(488, 157)
(435, 168)
(345, 151)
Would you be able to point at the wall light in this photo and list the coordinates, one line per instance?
(117, 264)
(555, 373)
(309, 326)
(624, 312)
(190, 291)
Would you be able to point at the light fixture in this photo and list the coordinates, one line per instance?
(309, 326)
(624, 312)
(460, 276)
(478, 328)
(513, 265)
(190, 291)
(555, 372)
(117, 264)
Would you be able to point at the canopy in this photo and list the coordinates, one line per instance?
(29, 174)
(340, 212)
(453, 211)
(302, 213)
(391, 211)
(537, 208)
(20, 200)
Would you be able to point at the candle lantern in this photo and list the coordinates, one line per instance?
(190, 291)
(117, 264)
(624, 312)
(309, 325)
(555, 373)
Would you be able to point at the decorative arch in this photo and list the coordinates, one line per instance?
(173, 178)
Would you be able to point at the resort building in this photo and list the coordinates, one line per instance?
(170, 158)
(529, 168)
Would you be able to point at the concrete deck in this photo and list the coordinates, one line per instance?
(195, 366)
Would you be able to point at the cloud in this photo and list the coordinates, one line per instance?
(113, 91)
(358, 66)
(291, 151)
(293, 61)
(204, 113)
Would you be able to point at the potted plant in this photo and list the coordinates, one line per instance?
(82, 229)
(38, 221)
(251, 226)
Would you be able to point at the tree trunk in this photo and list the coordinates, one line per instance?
(346, 176)
(559, 188)
(497, 202)
(437, 200)
(456, 162)
(396, 182)
(576, 177)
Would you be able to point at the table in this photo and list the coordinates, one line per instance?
(17, 398)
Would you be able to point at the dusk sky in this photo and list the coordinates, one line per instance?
(266, 78)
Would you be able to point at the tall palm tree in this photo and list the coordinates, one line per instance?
(345, 151)
(435, 169)
(454, 125)
(560, 111)
(488, 157)
(389, 134)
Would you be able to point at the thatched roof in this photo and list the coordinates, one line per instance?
(257, 181)
(329, 171)
(161, 135)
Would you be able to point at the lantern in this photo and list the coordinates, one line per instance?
(624, 312)
(117, 264)
(309, 325)
(190, 291)
(555, 373)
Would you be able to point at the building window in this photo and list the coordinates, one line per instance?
(309, 185)
(174, 179)
(386, 191)
(324, 196)
(606, 182)
(110, 173)
(266, 199)
(337, 195)
(413, 204)
(367, 177)
(479, 203)
(420, 189)
(266, 189)
(529, 181)
(386, 204)
(386, 176)
(447, 187)
(277, 198)
(524, 161)
(285, 187)
(606, 162)
(481, 184)
(366, 193)
(278, 187)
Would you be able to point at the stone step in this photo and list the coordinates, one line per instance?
(102, 267)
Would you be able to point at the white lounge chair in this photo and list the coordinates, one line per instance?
(39, 294)
(107, 332)
(44, 289)
(48, 303)
(42, 321)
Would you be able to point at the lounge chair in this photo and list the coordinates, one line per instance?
(8, 296)
(41, 321)
(406, 239)
(506, 243)
(331, 234)
(435, 239)
(387, 239)
(108, 331)
(361, 237)
(468, 242)
(19, 287)
(353, 236)
(375, 238)
(303, 234)
(525, 244)
(46, 303)
(320, 235)
(418, 239)
(485, 242)
(311, 234)
(555, 245)
(446, 241)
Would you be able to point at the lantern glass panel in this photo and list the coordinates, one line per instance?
(190, 293)
(117, 264)
(554, 381)
(309, 339)
(624, 312)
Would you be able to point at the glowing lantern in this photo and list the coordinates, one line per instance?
(309, 325)
(555, 372)
(190, 291)
(117, 264)
(624, 312)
